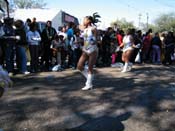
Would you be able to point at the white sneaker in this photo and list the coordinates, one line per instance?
(123, 71)
(10, 74)
(26, 73)
(56, 67)
(87, 88)
(127, 70)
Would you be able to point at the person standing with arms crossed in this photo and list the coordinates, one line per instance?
(90, 49)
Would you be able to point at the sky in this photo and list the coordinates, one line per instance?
(110, 10)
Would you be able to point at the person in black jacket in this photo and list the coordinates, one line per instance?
(169, 48)
(47, 36)
(9, 44)
(21, 44)
(106, 44)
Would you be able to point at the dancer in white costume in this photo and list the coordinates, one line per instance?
(128, 48)
(89, 49)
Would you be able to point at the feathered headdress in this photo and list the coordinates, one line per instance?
(96, 17)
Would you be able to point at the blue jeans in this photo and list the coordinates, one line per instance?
(34, 53)
(9, 57)
(156, 53)
(22, 58)
(76, 55)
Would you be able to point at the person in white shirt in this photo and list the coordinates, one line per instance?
(33, 39)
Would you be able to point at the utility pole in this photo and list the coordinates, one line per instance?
(140, 19)
(147, 18)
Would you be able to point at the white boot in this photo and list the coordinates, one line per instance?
(85, 73)
(88, 82)
(125, 67)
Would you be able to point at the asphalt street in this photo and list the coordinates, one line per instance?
(140, 100)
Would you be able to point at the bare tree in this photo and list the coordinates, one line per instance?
(3, 8)
(166, 22)
(26, 4)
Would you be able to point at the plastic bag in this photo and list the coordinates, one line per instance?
(138, 57)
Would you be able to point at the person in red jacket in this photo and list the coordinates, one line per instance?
(119, 37)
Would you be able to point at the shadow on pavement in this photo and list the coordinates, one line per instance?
(104, 123)
(54, 102)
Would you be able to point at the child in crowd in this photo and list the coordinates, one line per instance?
(57, 45)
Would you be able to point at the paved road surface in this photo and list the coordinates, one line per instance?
(141, 100)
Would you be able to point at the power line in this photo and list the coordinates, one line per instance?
(129, 5)
(140, 19)
(165, 4)
(140, 11)
(147, 19)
